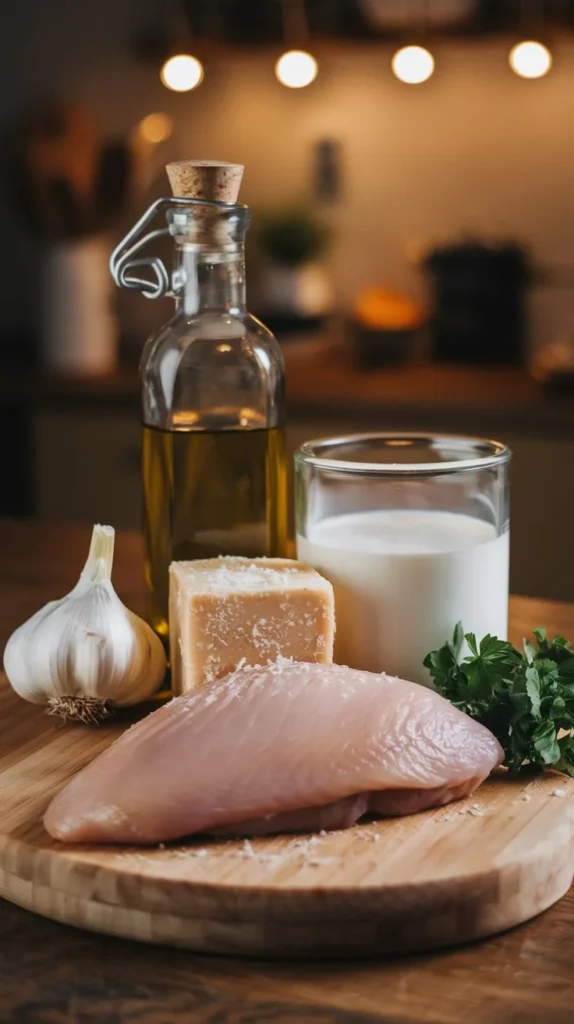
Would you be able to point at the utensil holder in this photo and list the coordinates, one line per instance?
(79, 328)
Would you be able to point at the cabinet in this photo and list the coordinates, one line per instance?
(87, 467)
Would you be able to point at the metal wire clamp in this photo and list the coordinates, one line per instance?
(122, 263)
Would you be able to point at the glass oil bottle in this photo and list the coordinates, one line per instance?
(214, 475)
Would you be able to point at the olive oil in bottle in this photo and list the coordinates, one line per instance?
(214, 477)
(208, 493)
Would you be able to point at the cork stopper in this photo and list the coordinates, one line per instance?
(205, 179)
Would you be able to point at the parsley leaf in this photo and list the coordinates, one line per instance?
(525, 698)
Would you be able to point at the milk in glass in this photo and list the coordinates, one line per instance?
(402, 581)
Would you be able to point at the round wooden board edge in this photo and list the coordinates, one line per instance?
(362, 939)
(196, 897)
(378, 934)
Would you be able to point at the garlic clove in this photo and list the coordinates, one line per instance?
(87, 653)
(19, 657)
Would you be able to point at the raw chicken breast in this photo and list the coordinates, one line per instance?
(283, 748)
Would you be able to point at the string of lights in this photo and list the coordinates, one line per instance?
(412, 64)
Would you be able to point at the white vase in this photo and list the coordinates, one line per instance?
(304, 291)
(79, 335)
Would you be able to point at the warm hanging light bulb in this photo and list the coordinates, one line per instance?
(296, 69)
(181, 72)
(530, 59)
(413, 64)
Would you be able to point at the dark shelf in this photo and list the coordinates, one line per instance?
(257, 22)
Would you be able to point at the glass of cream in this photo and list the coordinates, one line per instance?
(413, 533)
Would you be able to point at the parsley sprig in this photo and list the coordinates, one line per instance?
(525, 698)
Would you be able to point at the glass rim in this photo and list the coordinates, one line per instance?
(496, 454)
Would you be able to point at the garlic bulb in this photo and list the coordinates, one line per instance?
(88, 652)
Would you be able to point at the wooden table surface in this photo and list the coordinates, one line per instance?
(52, 974)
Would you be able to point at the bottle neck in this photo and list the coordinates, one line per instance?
(209, 282)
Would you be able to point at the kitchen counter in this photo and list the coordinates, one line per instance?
(52, 973)
(322, 381)
(75, 445)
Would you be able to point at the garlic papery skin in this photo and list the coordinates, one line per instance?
(86, 653)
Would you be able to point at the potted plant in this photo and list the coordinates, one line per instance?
(294, 281)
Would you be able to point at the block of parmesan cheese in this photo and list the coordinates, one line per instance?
(224, 612)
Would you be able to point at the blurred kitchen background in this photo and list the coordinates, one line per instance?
(410, 178)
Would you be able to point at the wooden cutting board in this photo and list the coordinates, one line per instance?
(441, 877)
